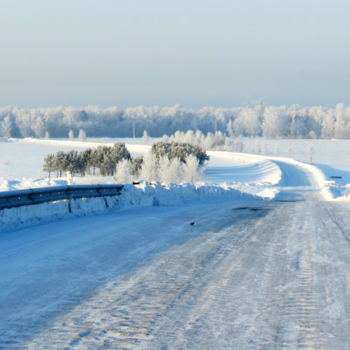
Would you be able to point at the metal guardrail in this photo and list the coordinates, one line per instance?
(12, 199)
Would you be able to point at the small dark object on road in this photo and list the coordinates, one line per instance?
(248, 208)
(192, 223)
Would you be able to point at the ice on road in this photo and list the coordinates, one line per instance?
(265, 275)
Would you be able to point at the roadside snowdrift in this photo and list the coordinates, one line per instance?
(275, 176)
(132, 196)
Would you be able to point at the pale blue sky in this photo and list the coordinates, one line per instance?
(193, 52)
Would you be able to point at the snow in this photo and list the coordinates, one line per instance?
(239, 278)
(254, 174)
(228, 175)
(182, 266)
(247, 174)
(141, 195)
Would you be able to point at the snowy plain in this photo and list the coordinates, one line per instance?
(254, 175)
(332, 156)
(26, 171)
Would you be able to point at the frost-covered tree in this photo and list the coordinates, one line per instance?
(73, 164)
(249, 122)
(170, 170)
(123, 172)
(106, 158)
(145, 137)
(192, 172)
(165, 138)
(82, 135)
(230, 129)
(7, 127)
(135, 166)
(175, 171)
(71, 134)
(86, 161)
(49, 164)
(163, 166)
(188, 137)
(328, 124)
(149, 170)
(61, 163)
(39, 128)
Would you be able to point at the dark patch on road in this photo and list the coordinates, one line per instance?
(248, 208)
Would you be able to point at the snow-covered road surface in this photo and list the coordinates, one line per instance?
(265, 275)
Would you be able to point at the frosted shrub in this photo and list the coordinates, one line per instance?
(192, 172)
(170, 170)
(149, 169)
(82, 135)
(123, 172)
(145, 137)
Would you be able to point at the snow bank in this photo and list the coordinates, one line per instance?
(25, 183)
(140, 195)
(246, 173)
(317, 177)
(232, 167)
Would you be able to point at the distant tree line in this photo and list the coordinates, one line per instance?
(253, 121)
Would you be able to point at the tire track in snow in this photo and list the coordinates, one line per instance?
(278, 281)
(250, 286)
(333, 272)
(299, 322)
(129, 313)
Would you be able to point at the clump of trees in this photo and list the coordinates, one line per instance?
(166, 162)
(102, 160)
(173, 162)
(179, 150)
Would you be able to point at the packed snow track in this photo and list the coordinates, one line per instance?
(264, 275)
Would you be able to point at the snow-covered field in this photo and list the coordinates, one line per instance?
(227, 175)
(21, 163)
(230, 176)
(21, 166)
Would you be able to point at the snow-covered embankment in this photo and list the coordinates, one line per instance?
(132, 196)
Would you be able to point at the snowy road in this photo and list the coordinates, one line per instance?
(267, 275)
